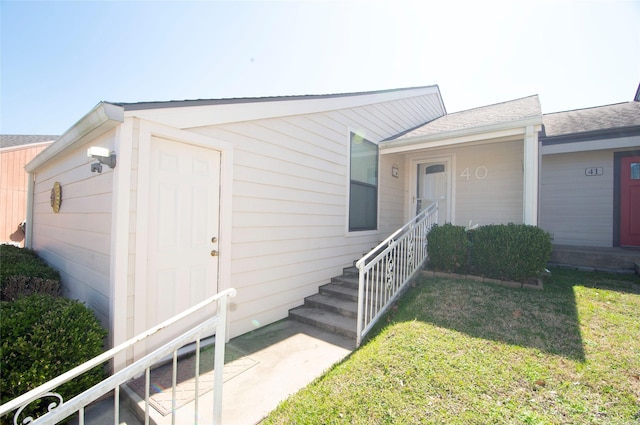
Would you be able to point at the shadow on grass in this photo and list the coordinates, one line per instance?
(546, 319)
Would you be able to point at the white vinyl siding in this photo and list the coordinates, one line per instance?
(290, 194)
(77, 240)
(487, 182)
(392, 202)
(575, 208)
(288, 206)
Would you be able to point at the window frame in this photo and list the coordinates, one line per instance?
(372, 228)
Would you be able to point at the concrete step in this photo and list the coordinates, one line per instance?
(350, 271)
(597, 258)
(343, 307)
(347, 281)
(324, 319)
(340, 292)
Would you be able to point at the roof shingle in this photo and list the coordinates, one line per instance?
(12, 140)
(599, 118)
(514, 110)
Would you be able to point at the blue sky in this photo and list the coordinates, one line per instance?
(59, 59)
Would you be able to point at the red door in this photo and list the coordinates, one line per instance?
(630, 201)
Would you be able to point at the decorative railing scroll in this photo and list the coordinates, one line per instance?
(386, 269)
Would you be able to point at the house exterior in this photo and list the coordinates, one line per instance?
(15, 152)
(270, 196)
(590, 176)
(481, 164)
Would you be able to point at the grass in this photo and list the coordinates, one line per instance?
(461, 352)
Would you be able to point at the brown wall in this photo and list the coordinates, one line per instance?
(13, 190)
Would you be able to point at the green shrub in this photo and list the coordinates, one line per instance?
(510, 251)
(447, 247)
(43, 337)
(24, 273)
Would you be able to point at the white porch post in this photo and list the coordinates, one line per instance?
(530, 177)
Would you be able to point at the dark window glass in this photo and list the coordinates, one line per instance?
(363, 191)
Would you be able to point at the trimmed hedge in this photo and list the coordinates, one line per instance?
(510, 251)
(42, 337)
(501, 251)
(24, 273)
(447, 247)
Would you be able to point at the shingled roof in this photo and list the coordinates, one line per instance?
(597, 119)
(491, 115)
(12, 140)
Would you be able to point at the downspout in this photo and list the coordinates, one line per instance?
(28, 234)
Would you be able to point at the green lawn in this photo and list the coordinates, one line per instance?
(463, 352)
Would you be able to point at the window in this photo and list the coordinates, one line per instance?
(363, 190)
(635, 171)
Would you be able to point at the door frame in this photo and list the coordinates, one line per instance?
(450, 165)
(147, 131)
(617, 196)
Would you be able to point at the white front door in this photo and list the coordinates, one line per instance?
(433, 184)
(184, 208)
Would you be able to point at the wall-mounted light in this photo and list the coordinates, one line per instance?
(103, 156)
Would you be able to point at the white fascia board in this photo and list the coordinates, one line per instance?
(205, 115)
(466, 135)
(592, 145)
(101, 119)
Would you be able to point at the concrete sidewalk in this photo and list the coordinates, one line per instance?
(283, 357)
(290, 355)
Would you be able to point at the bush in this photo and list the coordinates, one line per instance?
(447, 247)
(42, 337)
(24, 273)
(511, 252)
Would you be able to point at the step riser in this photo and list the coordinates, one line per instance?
(347, 282)
(349, 333)
(340, 295)
(335, 309)
(596, 260)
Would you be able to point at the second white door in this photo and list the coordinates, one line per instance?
(184, 207)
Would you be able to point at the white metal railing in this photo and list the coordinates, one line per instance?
(385, 270)
(59, 410)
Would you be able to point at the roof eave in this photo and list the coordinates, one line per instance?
(465, 135)
(191, 114)
(101, 119)
(591, 135)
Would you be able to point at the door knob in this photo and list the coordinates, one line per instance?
(214, 253)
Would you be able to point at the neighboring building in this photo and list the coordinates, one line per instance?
(590, 176)
(284, 192)
(15, 152)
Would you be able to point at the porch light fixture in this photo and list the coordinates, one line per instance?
(103, 156)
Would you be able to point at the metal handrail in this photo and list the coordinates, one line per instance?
(385, 270)
(77, 403)
(427, 211)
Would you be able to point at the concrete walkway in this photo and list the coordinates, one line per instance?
(283, 358)
(290, 355)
